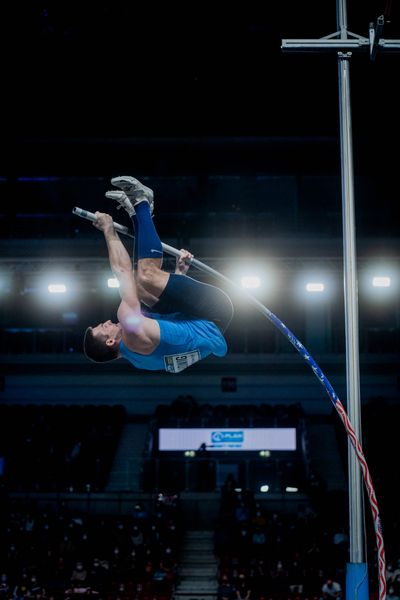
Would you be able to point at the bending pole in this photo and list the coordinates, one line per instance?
(358, 579)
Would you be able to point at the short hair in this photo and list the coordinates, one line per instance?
(97, 350)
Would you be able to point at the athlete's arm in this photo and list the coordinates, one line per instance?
(120, 262)
(139, 333)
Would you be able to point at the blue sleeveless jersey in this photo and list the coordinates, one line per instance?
(182, 343)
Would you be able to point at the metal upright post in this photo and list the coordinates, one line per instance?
(340, 42)
(350, 295)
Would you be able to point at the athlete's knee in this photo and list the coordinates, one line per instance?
(148, 271)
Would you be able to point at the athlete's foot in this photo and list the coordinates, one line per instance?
(134, 190)
(122, 200)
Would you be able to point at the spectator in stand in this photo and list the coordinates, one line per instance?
(96, 575)
(296, 577)
(139, 513)
(258, 540)
(259, 519)
(79, 575)
(61, 574)
(243, 542)
(153, 536)
(21, 590)
(391, 594)
(117, 563)
(4, 586)
(242, 512)
(121, 593)
(34, 587)
(396, 577)
(137, 537)
(122, 539)
(389, 572)
(242, 588)
(259, 577)
(279, 579)
(226, 590)
(229, 496)
(331, 589)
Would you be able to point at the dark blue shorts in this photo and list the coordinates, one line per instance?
(196, 299)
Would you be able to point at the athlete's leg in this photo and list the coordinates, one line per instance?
(149, 253)
(174, 293)
(150, 279)
(196, 299)
(137, 200)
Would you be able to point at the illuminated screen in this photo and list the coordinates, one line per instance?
(261, 438)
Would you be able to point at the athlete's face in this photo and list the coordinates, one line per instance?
(107, 331)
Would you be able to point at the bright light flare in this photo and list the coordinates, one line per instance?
(54, 289)
(380, 281)
(315, 287)
(250, 282)
(112, 282)
(57, 288)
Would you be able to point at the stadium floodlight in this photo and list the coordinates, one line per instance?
(315, 287)
(250, 282)
(381, 281)
(112, 282)
(57, 288)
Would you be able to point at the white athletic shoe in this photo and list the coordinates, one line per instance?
(123, 201)
(135, 191)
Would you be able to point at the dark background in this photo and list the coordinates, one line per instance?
(91, 77)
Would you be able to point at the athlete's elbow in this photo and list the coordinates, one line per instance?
(132, 322)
